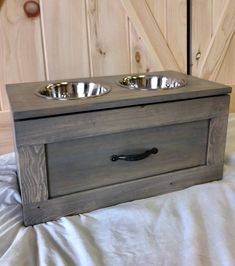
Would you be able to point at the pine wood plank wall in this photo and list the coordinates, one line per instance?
(213, 41)
(79, 38)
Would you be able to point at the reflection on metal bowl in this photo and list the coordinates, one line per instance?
(145, 82)
(72, 90)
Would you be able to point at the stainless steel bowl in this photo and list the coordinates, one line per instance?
(72, 90)
(149, 82)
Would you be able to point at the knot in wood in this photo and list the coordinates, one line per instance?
(31, 9)
(137, 56)
(198, 55)
(101, 51)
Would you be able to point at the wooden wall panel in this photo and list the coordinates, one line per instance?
(217, 7)
(141, 59)
(227, 70)
(219, 43)
(6, 135)
(65, 38)
(79, 38)
(21, 52)
(159, 12)
(213, 41)
(176, 14)
(108, 37)
(201, 32)
(149, 30)
(172, 28)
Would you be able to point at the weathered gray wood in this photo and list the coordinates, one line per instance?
(85, 163)
(61, 128)
(217, 140)
(114, 194)
(32, 173)
(25, 104)
(69, 144)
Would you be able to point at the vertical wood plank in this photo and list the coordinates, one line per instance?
(172, 28)
(6, 134)
(145, 24)
(32, 174)
(141, 59)
(227, 69)
(21, 52)
(217, 140)
(176, 31)
(217, 8)
(219, 43)
(201, 32)
(158, 10)
(65, 38)
(108, 37)
(213, 29)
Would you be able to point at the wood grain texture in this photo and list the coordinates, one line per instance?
(6, 133)
(177, 31)
(25, 104)
(177, 38)
(213, 42)
(227, 69)
(217, 140)
(111, 121)
(219, 43)
(148, 29)
(65, 38)
(81, 165)
(201, 32)
(21, 55)
(217, 7)
(232, 102)
(172, 26)
(32, 173)
(108, 37)
(110, 195)
(159, 12)
(141, 58)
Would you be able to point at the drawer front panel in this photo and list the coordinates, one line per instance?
(84, 164)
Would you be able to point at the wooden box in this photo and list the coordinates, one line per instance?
(64, 148)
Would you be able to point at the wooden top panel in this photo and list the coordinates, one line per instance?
(25, 104)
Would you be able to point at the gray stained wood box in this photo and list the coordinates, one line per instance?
(64, 148)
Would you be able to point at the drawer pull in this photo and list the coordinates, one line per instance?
(135, 157)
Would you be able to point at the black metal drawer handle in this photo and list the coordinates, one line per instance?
(135, 157)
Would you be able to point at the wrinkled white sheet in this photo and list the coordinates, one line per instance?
(195, 226)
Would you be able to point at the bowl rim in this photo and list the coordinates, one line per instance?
(37, 92)
(181, 81)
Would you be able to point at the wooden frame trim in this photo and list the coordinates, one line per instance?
(217, 140)
(101, 197)
(33, 173)
(41, 131)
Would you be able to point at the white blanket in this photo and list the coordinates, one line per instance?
(195, 226)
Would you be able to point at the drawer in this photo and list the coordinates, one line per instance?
(84, 164)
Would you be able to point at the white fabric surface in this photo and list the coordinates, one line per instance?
(195, 226)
